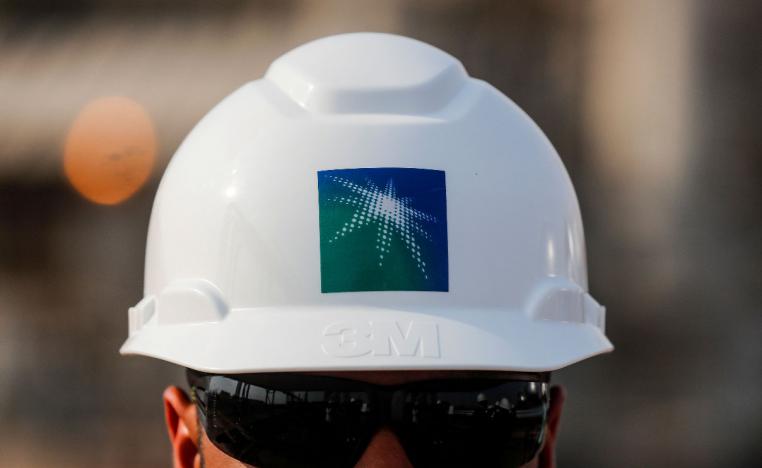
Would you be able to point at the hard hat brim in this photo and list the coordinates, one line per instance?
(363, 338)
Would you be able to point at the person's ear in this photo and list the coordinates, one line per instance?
(547, 456)
(182, 425)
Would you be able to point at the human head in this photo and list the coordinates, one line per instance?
(192, 448)
(366, 206)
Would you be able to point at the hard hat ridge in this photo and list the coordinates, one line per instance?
(368, 73)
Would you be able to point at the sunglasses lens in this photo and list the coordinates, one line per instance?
(501, 426)
(277, 420)
(268, 427)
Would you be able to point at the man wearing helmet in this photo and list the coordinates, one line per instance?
(366, 258)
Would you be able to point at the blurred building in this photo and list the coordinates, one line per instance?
(652, 105)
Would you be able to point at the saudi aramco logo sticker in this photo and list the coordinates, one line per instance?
(383, 229)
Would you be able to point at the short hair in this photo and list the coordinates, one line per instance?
(199, 429)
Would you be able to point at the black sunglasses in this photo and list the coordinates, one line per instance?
(304, 420)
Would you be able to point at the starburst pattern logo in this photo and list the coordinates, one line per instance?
(391, 214)
(390, 238)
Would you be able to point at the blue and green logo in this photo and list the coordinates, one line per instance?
(383, 229)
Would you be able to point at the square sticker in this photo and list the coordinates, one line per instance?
(383, 229)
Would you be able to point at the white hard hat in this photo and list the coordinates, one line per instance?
(366, 206)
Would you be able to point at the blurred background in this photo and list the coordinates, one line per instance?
(653, 105)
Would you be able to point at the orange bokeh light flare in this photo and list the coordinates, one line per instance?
(110, 150)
